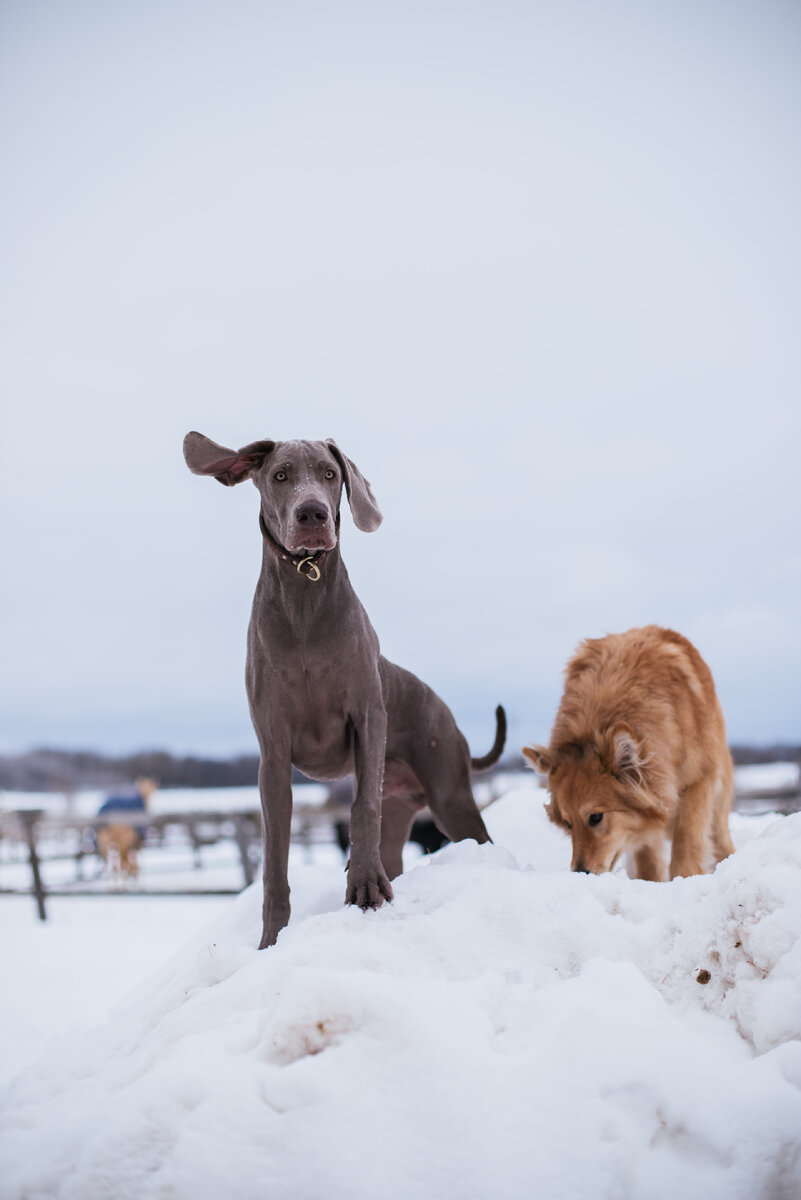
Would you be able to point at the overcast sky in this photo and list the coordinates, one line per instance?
(535, 266)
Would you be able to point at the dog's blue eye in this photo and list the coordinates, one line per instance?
(595, 818)
(280, 476)
(329, 474)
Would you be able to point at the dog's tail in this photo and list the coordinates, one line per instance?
(481, 764)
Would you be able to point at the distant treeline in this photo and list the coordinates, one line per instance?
(68, 771)
(745, 755)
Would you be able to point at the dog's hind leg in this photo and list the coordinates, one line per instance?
(690, 851)
(722, 844)
(454, 809)
(397, 818)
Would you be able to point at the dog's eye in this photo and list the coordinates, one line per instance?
(280, 476)
(330, 474)
(568, 825)
(595, 818)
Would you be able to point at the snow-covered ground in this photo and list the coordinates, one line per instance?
(504, 1029)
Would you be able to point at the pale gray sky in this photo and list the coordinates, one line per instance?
(535, 266)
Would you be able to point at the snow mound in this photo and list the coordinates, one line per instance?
(504, 1029)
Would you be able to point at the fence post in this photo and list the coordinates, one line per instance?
(29, 817)
(240, 833)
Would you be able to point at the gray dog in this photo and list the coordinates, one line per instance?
(321, 695)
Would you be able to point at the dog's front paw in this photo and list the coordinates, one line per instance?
(368, 889)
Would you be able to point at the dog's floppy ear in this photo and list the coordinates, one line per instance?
(205, 457)
(628, 765)
(539, 758)
(366, 513)
(627, 761)
(554, 814)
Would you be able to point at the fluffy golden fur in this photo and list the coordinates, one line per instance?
(638, 755)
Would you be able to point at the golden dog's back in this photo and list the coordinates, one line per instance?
(656, 681)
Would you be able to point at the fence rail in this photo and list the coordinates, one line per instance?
(38, 831)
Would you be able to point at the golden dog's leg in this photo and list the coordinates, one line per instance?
(649, 862)
(690, 851)
(721, 838)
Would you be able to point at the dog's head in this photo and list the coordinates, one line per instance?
(300, 484)
(600, 795)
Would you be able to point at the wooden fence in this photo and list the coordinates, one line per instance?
(38, 831)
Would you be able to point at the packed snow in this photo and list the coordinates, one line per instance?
(504, 1029)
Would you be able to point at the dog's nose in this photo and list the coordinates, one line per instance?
(311, 513)
(580, 869)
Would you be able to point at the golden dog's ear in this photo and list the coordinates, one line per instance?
(554, 814)
(539, 759)
(627, 761)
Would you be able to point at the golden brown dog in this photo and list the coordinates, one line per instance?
(638, 754)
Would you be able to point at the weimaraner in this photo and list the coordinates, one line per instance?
(321, 695)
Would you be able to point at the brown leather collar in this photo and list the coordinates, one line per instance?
(305, 564)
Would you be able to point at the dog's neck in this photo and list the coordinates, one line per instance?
(308, 563)
(286, 584)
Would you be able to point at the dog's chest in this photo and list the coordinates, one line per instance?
(310, 700)
(321, 726)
